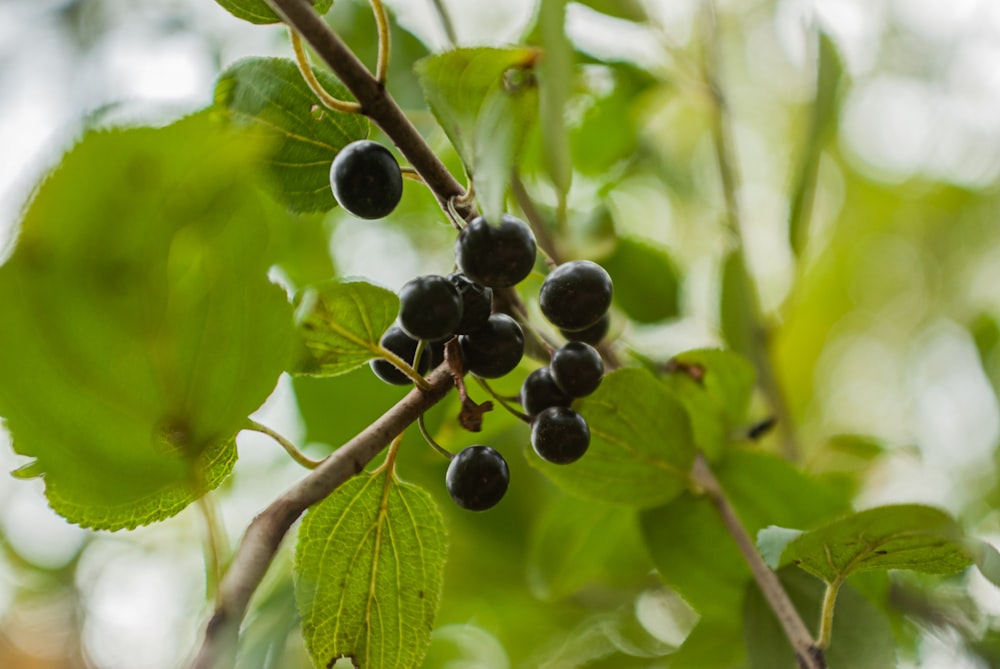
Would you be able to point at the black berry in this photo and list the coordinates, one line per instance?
(575, 295)
(539, 392)
(366, 180)
(430, 308)
(560, 435)
(496, 255)
(577, 369)
(495, 349)
(477, 478)
(590, 335)
(405, 347)
(477, 302)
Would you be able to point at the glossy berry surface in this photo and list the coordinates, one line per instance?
(366, 180)
(494, 350)
(575, 295)
(477, 478)
(430, 308)
(404, 346)
(593, 334)
(577, 369)
(539, 392)
(560, 435)
(477, 303)
(496, 255)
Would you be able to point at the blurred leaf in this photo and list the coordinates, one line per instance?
(862, 636)
(715, 387)
(737, 301)
(341, 323)
(259, 12)
(556, 72)
(905, 536)
(270, 96)
(486, 100)
(641, 446)
(606, 134)
(823, 122)
(692, 549)
(368, 573)
(140, 327)
(702, 649)
(986, 557)
(569, 528)
(772, 541)
(646, 283)
(631, 10)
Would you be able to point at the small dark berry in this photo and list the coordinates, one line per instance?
(495, 349)
(560, 435)
(430, 308)
(366, 180)
(539, 392)
(477, 303)
(496, 255)
(577, 369)
(575, 295)
(590, 335)
(405, 347)
(477, 478)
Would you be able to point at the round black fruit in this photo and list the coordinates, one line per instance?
(577, 369)
(575, 295)
(590, 335)
(560, 435)
(430, 308)
(539, 392)
(405, 346)
(496, 255)
(477, 478)
(477, 302)
(366, 180)
(493, 350)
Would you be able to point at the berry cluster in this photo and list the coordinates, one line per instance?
(575, 297)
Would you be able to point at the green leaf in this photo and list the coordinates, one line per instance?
(556, 72)
(259, 12)
(646, 282)
(369, 565)
(906, 536)
(986, 557)
(862, 635)
(140, 327)
(771, 542)
(270, 96)
(715, 387)
(641, 447)
(736, 305)
(341, 323)
(486, 100)
(631, 10)
(696, 555)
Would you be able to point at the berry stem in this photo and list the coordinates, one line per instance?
(546, 242)
(403, 366)
(382, 25)
(502, 400)
(826, 614)
(289, 447)
(410, 173)
(430, 440)
(305, 67)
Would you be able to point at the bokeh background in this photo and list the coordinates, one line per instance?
(885, 328)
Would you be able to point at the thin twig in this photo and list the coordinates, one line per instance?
(266, 531)
(807, 652)
(445, 18)
(289, 447)
(431, 441)
(305, 67)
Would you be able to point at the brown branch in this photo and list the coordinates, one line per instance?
(376, 102)
(807, 652)
(266, 531)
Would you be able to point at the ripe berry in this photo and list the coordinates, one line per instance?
(366, 180)
(477, 302)
(560, 435)
(495, 349)
(430, 308)
(477, 478)
(575, 295)
(577, 369)
(539, 392)
(590, 335)
(404, 346)
(496, 255)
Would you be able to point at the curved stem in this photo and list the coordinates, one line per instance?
(289, 447)
(503, 402)
(305, 67)
(384, 40)
(410, 173)
(405, 367)
(431, 441)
